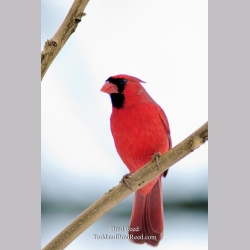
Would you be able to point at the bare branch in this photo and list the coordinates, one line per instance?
(54, 45)
(139, 179)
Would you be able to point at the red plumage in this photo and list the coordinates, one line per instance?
(140, 130)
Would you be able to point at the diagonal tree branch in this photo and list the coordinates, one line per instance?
(139, 179)
(69, 25)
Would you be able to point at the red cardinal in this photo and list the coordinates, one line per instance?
(140, 129)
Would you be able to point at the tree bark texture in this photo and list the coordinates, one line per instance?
(53, 46)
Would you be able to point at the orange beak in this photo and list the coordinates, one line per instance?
(109, 88)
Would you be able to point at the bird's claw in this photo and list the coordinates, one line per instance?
(124, 179)
(157, 157)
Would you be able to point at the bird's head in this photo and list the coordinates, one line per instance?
(123, 89)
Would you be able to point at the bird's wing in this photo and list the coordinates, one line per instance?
(165, 123)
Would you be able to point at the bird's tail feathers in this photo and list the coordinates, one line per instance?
(146, 224)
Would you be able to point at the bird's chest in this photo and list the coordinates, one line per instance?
(138, 134)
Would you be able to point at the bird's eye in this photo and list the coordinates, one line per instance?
(123, 81)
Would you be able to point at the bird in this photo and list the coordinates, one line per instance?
(140, 130)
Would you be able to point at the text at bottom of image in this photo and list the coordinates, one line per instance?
(122, 236)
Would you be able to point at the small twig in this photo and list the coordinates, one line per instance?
(137, 180)
(54, 45)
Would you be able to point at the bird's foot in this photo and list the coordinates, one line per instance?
(157, 157)
(124, 179)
